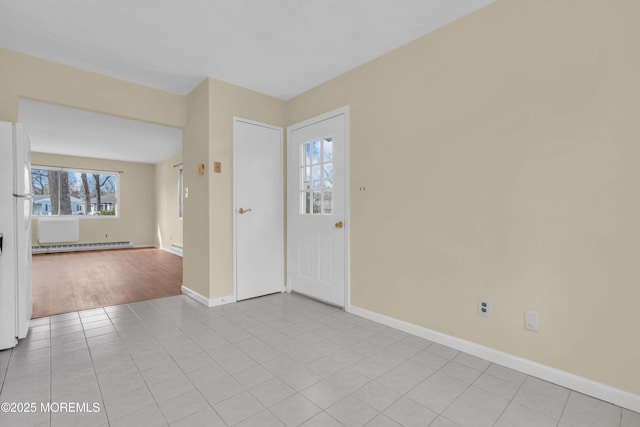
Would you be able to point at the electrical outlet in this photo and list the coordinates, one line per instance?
(484, 307)
(531, 321)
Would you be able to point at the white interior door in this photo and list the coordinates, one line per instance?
(317, 209)
(258, 218)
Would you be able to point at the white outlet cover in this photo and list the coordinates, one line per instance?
(531, 321)
(484, 307)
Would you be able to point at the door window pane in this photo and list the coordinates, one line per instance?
(307, 202)
(327, 150)
(316, 177)
(315, 152)
(327, 205)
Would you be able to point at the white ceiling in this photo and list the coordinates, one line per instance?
(61, 130)
(277, 47)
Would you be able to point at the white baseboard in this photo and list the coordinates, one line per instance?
(574, 382)
(209, 302)
(170, 251)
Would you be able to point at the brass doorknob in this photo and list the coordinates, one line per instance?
(243, 211)
(339, 225)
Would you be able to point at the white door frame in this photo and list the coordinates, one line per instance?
(235, 207)
(347, 208)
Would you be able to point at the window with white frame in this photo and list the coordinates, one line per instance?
(316, 177)
(63, 191)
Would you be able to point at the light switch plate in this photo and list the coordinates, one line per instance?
(531, 321)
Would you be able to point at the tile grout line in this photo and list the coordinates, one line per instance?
(564, 407)
(95, 373)
(180, 326)
(512, 397)
(50, 372)
(174, 360)
(136, 365)
(6, 370)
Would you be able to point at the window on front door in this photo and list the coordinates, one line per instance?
(316, 177)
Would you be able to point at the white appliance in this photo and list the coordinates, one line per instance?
(15, 229)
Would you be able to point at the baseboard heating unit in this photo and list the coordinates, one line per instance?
(175, 248)
(58, 230)
(74, 247)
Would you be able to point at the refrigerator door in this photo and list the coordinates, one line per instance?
(8, 289)
(24, 305)
(23, 205)
(22, 161)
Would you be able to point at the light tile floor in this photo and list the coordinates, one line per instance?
(280, 360)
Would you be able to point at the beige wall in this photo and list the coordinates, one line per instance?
(196, 229)
(23, 76)
(499, 156)
(168, 227)
(208, 138)
(500, 160)
(137, 204)
(230, 101)
(33, 78)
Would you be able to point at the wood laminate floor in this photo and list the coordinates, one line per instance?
(66, 282)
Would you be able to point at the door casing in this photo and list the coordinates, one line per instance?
(344, 111)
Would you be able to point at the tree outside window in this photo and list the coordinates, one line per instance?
(73, 192)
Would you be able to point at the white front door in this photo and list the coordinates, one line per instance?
(258, 206)
(316, 218)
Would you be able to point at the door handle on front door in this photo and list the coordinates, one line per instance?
(243, 211)
(339, 225)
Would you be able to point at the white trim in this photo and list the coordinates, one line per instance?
(180, 191)
(253, 122)
(345, 111)
(79, 247)
(209, 302)
(170, 251)
(319, 118)
(347, 207)
(574, 382)
(176, 248)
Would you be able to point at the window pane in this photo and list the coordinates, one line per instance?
(328, 171)
(104, 201)
(316, 177)
(307, 205)
(41, 189)
(307, 153)
(328, 202)
(79, 194)
(73, 192)
(327, 150)
(315, 158)
(317, 202)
